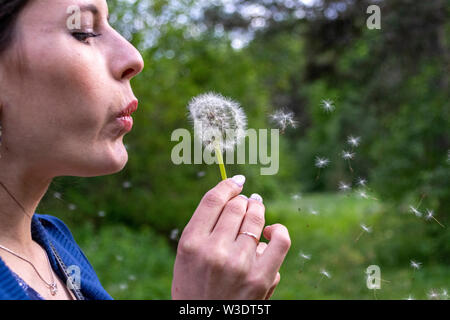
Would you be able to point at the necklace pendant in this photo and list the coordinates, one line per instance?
(53, 289)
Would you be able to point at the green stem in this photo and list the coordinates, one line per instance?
(223, 173)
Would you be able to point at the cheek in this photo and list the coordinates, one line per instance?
(66, 90)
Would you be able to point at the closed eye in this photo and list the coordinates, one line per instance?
(83, 36)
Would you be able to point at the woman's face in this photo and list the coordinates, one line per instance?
(60, 93)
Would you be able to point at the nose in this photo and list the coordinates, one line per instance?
(126, 62)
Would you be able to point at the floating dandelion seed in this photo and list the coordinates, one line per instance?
(325, 273)
(343, 186)
(304, 256)
(119, 257)
(71, 206)
(361, 182)
(430, 215)
(101, 213)
(123, 286)
(365, 229)
(327, 105)
(219, 123)
(444, 294)
(174, 234)
(321, 163)
(433, 295)
(353, 141)
(410, 297)
(415, 265)
(201, 174)
(57, 195)
(415, 211)
(313, 212)
(296, 196)
(347, 155)
(363, 194)
(283, 119)
(126, 184)
(132, 277)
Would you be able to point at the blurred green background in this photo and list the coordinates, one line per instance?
(389, 86)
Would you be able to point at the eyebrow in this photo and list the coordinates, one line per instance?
(92, 8)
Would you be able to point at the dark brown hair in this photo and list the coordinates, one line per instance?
(9, 11)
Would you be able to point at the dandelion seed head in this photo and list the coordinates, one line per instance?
(366, 228)
(283, 119)
(353, 141)
(347, 155)
(328, 105)
(217, 120)
(321, 162)
(415, 265)
(314, 212)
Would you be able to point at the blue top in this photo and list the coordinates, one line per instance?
(46, 229)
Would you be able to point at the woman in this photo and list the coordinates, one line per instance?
(65, 105)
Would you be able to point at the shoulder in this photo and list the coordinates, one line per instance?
(52, 224)
(61, 237)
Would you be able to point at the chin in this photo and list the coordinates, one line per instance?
(111, 161)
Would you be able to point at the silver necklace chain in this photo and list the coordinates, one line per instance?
(52, 286)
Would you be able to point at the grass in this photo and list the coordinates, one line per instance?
(330, 238)
(138, 265)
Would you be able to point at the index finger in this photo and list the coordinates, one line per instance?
(213, 202)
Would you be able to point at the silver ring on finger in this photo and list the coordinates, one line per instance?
(254, 236)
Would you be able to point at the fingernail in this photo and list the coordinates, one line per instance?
(256, 196)
(243, 196)
(239, 180)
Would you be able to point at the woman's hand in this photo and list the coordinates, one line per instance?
(215, 261)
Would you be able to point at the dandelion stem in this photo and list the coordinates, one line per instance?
(350, 166)
(356, 240)
(223, 172)
(438, 222)
(319, 281)
(421, 198)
